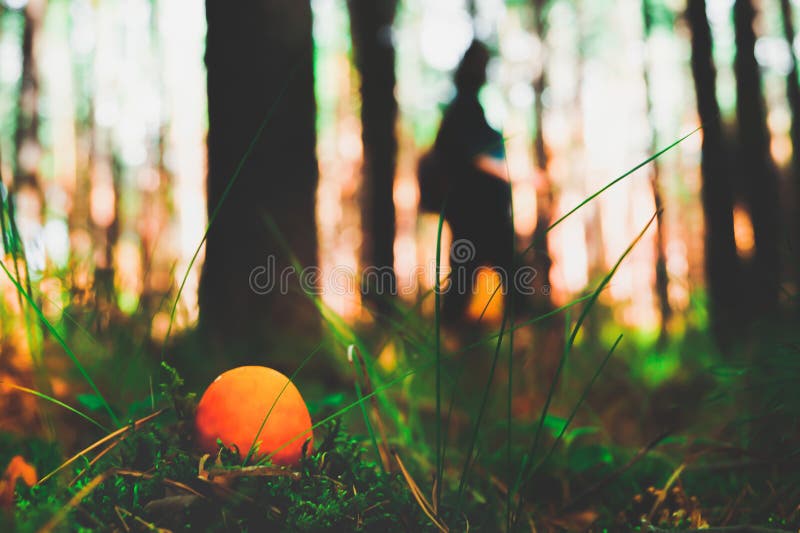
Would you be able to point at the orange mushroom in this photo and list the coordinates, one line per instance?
(235, 405)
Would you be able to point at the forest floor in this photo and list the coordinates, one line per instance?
(634, 435)
(550, 421)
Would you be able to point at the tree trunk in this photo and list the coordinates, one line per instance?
(26, 136)
(548, 341)
(544, 185)
(260, 95)
(373, 50)
(793, 98)
(662, 279)
(27, 149)
(759, 176)
(722, 263)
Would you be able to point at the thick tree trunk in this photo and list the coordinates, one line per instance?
(759, 176)
(260, 92)
(722, 262)
(662, 279)
(793, 98)
(370, 26)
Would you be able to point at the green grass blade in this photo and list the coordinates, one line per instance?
(238, 170)
(450, 407)
(578, 404)
(622, 177)
(595, 195)
(62, 343)
(404, 376)
(507, 315)
(3, 229)
(59, 403)
(345, 409)
(484, 399)
(614, 182)
(289, 380)
(581, 318)
(510, 306)
(437, 320)
(343, 333)
(17, 249)
(362, 405)
(526, 323)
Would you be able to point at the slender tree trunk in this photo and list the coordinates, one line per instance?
(25, 182)
(592, 234)
(371, 26)
(544, 185)
(548, 341)
(110, 167)
(722, 262)
(662, 279)
(261, 113)
(758, 171)
(793, 98)
(26, 137)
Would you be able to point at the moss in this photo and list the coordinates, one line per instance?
(334, 488)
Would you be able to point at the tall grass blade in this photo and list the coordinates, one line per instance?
(3, 230)
(484, 399)
(108, 438)
(526, 323)
(614, 182)
(427, 508)
(579, 323)
(510, 307)
(398, 379)
(595, 195)
(437, 320)
(343, 333)
(57, 402)
(570, 342)
(383, 459)
(345, 409)
(577, 406)
(290, 379)
(62, 343)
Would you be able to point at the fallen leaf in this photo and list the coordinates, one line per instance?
(17, 469)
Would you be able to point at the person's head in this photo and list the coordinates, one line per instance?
(471, 72)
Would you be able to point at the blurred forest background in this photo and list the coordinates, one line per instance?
(104, 126)
(127, 126)
(103, 143)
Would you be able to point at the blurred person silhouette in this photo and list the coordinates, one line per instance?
(465, 171)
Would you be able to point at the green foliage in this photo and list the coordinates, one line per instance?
(339, 490)
(576, 465)
(334, 488)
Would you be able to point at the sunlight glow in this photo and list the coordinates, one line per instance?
(487, 295)
(743, 232)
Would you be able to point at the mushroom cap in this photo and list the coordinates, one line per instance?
(234, 406)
